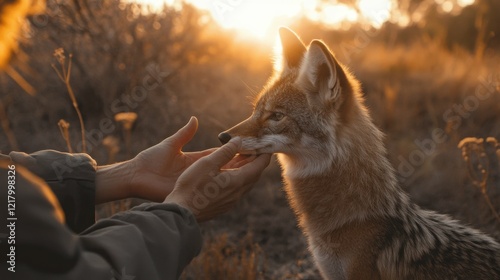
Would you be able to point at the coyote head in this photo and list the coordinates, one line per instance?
(307, 109)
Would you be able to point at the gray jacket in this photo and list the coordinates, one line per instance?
(53, 199)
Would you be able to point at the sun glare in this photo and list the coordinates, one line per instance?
(256, 17)
(332, 14)
(376, 12)
(260, 18)
(464, 3)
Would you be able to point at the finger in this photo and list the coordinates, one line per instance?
(200, 154)
(192, 157)
(239, 161)
(225, 153)
(185, 134)
(243, 162)
(253, 169)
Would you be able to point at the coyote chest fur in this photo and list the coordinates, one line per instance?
(358, 221)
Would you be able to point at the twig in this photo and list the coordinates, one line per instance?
(64, 128)
(488, 201)
(65, 78)
(474, 148)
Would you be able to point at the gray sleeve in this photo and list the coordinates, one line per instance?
(71, 177)
(150, 241)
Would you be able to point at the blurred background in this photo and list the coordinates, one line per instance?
(130, 73)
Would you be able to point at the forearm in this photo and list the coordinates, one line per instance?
(113, 182)
(127, 179)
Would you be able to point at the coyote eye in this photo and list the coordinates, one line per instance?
(276, 116)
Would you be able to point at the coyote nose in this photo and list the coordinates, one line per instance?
(224, 137)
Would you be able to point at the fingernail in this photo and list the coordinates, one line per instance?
(191, 120)
(236, 141)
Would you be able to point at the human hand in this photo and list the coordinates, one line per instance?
(157, 168)
(153, 172)
(213, 184)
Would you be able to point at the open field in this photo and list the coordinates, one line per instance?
(426, 91)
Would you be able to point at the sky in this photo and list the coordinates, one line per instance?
(260, 17)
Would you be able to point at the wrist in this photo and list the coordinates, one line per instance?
(113, 182)
(173, 199)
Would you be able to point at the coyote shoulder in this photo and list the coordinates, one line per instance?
(358, 221)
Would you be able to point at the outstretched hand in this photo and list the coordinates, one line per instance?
(213, 184)
(152, 173)
(157, 168)
(157, 171)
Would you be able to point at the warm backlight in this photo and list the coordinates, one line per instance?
(260, 18)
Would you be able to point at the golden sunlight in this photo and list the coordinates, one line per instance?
(154, 5)
(331, 14)
(463, 3)
(260, 18)
(257, 17)
(376, 12)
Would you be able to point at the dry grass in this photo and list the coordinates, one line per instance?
(65, 75)
(64, 128)
(223, 258)
(478, 164)
(127, 120)
(108, 209)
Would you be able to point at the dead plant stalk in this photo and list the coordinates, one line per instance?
(65, 78)
(476, 159)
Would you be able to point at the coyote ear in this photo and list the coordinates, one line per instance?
(318, 74)
(293, 48)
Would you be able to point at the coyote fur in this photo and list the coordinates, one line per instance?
(358, 221)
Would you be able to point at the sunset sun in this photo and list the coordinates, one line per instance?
(256, 17)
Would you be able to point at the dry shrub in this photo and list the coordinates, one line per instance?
(223, 259)
(478, 164)
(108, 209)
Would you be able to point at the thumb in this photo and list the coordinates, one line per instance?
(185, 134)
(225, 153)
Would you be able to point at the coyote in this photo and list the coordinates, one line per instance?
(358, 221)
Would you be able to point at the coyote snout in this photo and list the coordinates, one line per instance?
(358, 221)
(224, 137)
(263, 132)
